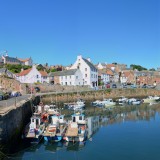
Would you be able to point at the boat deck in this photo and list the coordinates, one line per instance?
(30, 135)
(72, 132)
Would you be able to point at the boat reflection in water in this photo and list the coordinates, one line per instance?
(93, 126)
(107, 132)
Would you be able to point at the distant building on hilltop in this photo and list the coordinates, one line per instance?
(10, 60)
(27, 61)
(5, 59)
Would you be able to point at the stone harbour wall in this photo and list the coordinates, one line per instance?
(99, 95)
(12, 123)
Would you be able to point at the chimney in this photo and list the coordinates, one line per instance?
(79, 57)
(89, 59)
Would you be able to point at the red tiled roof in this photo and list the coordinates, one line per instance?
(25, 72)
(43, 73)
(110, 65)
(109, 72)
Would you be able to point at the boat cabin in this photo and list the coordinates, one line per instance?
(35, 122)
(61, 118)
(79, 118)
(55, 120)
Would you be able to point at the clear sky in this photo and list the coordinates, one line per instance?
(56, 31)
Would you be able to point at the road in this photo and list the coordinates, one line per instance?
(7, 105)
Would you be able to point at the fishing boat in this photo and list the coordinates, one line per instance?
(34, 130)
(137, 102)
(122, 100)
(76, 130)
(108, 102)
(96, 103)
(150, 99)
(52, 109)
(55, 130)
(80, 104)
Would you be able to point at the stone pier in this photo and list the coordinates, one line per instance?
(13, 120)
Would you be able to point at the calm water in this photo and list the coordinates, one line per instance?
(131, 135)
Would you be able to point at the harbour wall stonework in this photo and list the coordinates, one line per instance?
(98, 95)
(12, 123)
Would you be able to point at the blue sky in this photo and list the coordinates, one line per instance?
(56, 31)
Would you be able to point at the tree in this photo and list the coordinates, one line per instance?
(138, 67)
(152, 69)
(53, 70)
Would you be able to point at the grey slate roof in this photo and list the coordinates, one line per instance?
(6, 71)
(12, 59)
(90, 64)
(63, 73)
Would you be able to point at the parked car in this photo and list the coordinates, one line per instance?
(150, 86)
(15, 94)
(4, 95)
(108, 85)
(133, 86)
(114, 86)
(37, 89)
(124, 85)
(144, 86)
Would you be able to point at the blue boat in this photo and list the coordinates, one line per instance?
(56, 129)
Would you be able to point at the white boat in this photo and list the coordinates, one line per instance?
(52, 110)
(76, 130)
(157, 98)
(137, 102)
(150, 99)
(80, 104)
(95, 103)
(131, 100)
(107, 102)
(34, 130)
(122, 100)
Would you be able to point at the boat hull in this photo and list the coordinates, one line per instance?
(54, 138)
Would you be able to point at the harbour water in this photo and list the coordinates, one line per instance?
(132, 133)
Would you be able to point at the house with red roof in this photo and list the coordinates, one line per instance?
(32, 75)
(27, 61)
(127, 77)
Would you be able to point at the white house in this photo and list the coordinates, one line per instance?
(32, 75)
(70, 77)
(89, 71)
(103, 76)
(101, 65)
(27, 61)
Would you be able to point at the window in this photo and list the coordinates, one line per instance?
(37, 76)
(70, 83)
(70, 77)
(85, 75)
(61, 77)
(91, 75)
(76, 77)
(80, 117)
(66, 77)
(85, 69)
